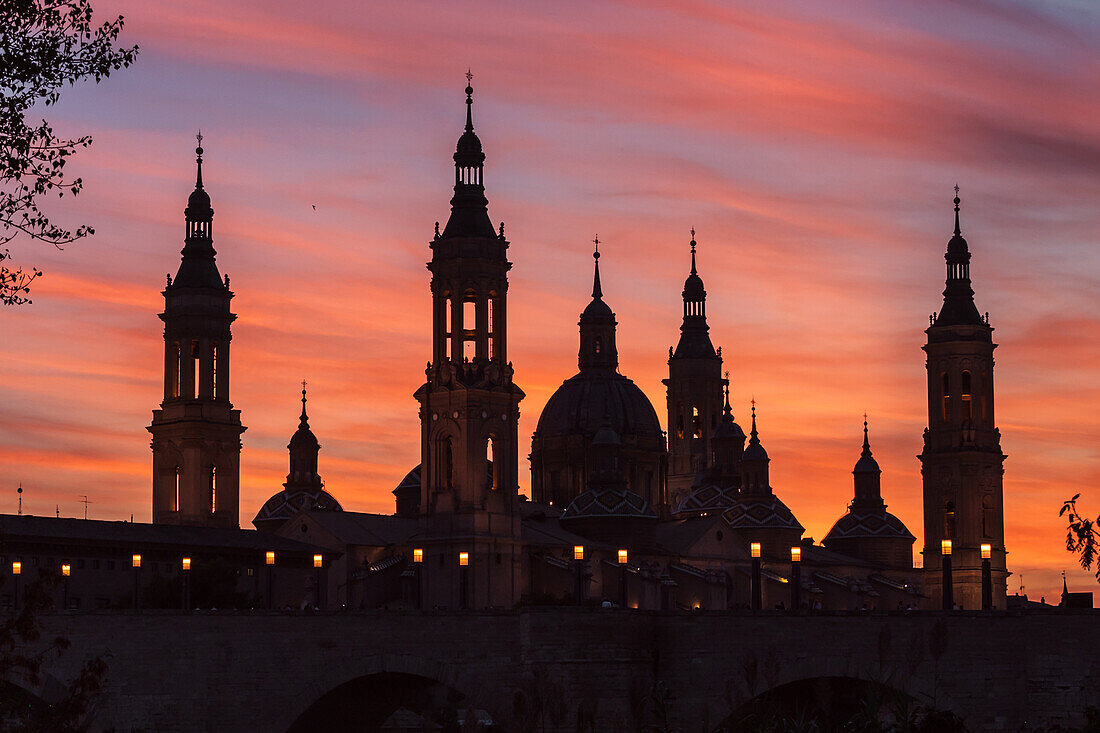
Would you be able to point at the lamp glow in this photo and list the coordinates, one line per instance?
(463, 559)
(269, 557)
(987, 551)
(418, 555)
(945, 547)
(796, 554)
(578, 552)
(136, 561)
(622, 557)
(186, 563)
(754, 549)
(318, 560)
(16, 568)
(66, 570)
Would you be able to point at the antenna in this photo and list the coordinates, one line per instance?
(20, 492)
(84, 500)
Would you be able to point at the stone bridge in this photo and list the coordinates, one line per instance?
(270, 671)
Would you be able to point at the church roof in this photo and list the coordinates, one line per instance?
(710, 497)
(579, 404)
(371, 530)
(868, 524)
(288, 502)
(608, 503)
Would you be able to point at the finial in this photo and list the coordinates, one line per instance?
(755, 436)
(199, 139)
(693, 272)
(726, 408)
(304, 419)
(958, 231)
(168, 276)
(469, 101)
(437, 230)
(227, 281)
(866, 442)
(502, 230)
(597, 291)
(198, 161)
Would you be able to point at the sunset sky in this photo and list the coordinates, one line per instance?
(813, 148)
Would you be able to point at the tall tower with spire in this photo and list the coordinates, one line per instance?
(694, 390)
(962, 464)
(469, 405)
(196, 432)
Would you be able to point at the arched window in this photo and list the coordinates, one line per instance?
(447, 315)
(965, 396)
(213, 489)
(177, 368)
(193, 388)
(176, 493)
(696, 422)
(987, 516)
(946, 397)
(214, 371)
(948, 519)
(447, 465)
(492, 318)
(491, 463)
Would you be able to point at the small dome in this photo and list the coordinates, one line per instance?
(868, 524)
(765, 512)
(303, 437)
(709, 497)
(606, 435)
(198, 201)
(597, 309)
(755, 452)
(957, 246)
(867, 464)
(729, 429)
(285, 504)
(580, 403)
(693, 288)
(468, 144)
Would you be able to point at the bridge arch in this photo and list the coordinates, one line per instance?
(379, 685)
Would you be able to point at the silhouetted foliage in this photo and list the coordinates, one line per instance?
(19, 709)
(44, 45)
(1081, 534)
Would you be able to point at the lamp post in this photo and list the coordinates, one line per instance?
(622, 578)
(318, 563)
(948, 589)
(269, 564)
(796, 578)
(463, 579)
(418, 563)
(578, 574)
(185, 580)
(16, 571)
(135, 561)
(66, 571)
(987, 578)
(756, 595)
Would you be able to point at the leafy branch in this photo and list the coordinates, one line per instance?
(1081, 534)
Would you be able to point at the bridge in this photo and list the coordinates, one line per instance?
(596, 669)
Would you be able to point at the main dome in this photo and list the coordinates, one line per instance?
(580, 403)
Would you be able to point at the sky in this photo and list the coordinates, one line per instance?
(813, 147)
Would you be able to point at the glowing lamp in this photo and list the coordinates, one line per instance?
(622, 557)
(269, 557)
(318, 560)
(463, 559)
(945, 547)
(16, 568)
(136, 561)
(578, 552)
(418, 555)
(754, 549)
(66, 570)
(186, 563)
(987, 550)
(796, 554)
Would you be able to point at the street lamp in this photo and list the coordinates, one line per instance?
(987, 577)
(135, 562)
(578, 574)
(16, 570)
(66, 571)
(269, 564)
(796, 578)
(756, 595)
(185, 593)
(464, 579)
(622, 578)
(948, 589)
(418, 563)
(318, 563)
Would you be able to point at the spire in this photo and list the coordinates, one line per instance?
(597, 291)
(198, 268)
(198, 161)
(469, 207)
(755, 439)
(726, 409)
(694, 337)
(303, 423)
(866, 443)
(693, 272)
(958, 297)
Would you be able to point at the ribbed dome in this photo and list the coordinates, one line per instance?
(608, 503)
(580, 403)
(287, 503)
(765, 512)
(709, 497)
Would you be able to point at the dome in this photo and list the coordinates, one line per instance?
(579, 405)
(868, 524)
(957, 246)
(303, 437)
(765, 512)
(198, 204)
(608, 503)
(693, 288)
(286, 503)
(468, 144)
(755, 452)
(710, 497)
(597, 309)
(729, 429)
(867, 464)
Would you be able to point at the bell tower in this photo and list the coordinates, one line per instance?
(196, 432)
(469, 406)
(962, 464)
(694, 389)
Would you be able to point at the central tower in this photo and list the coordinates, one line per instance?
(469, 406)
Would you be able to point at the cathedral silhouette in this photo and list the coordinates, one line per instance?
(621, 512)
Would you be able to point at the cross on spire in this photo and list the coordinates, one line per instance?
(469, 75)
(596, 241)
(198, 137)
